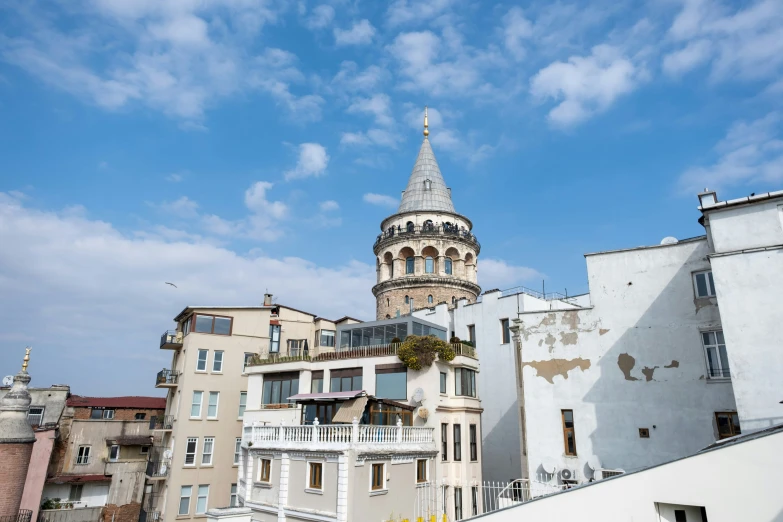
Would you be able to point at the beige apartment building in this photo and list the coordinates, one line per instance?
(194, 468)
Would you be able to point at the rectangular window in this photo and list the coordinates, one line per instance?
(474, 498)
(212, 407)
(505, 332)
(315, 470)
(201, 500)
(35, 415)
(465, 382)
(212, 324)
(190, 451)
(83, 455)
(472, 334)
(185, 493)
(278, 387)
(246, 361)
(242, 404)
(186, 325)
(349, 379)
(232, 501)
(108, 414)
(195, 405)
(140, 416)
(443, 382)
(264, 470)
(429, 265)
(75, 495)
(703, 284)
(317, 385)
(569, 437)
(217, 361)
(473, 443)
(391, 381)
(717, 358)
(728, 424)
(237, 450)
(457, 442)
(144, 450)
(421, 471)
(114, 453)
(96, 413)
(408, 265)
(378, 477)
(458, 503)
(448, 266)
(207, 451)
(327, 338)
(680, 516)
(274, 338)
(444, 442)
(201, 362)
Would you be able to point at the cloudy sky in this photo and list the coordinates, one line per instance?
(237, 146)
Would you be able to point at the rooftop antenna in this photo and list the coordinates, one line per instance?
(426, 125)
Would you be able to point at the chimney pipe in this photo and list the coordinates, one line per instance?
(267, 299)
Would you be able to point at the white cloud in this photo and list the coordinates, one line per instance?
(381, 137)
(354, 138)
(320, 17)
(405, 11)
(256, 201)
(497, 273)
(312, 162)
(379, 106)
(349, 78)
(751, 152)
(175, 177)
(381, 200)
(182, 207)
(90, 283)
(694, 54)
(329, 206)
(585, 85)
(360, 33)
(516, 31)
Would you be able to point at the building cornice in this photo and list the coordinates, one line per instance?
(406, 238)
(421, 212)
(425, 281)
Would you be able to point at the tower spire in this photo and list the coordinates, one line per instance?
(426, 130)
(26, 359)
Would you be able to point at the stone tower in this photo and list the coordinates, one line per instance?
(16, 442)
(426, 253)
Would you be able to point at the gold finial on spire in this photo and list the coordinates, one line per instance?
(426, 130)
(26, 359)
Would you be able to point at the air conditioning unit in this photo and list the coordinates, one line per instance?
(603, 473)
(568, 475)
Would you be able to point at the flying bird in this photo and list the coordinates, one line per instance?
(172, 284)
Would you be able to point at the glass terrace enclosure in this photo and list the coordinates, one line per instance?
(376, 333)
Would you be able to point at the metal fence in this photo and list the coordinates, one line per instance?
(24, 515)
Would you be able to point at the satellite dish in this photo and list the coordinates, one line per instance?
(163, 469)
(424, 413)
(669, 240)
(8, 380)
(549, 465)
(418, 395)
(594, 462)
(167, 454)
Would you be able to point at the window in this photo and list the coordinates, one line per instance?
(232, 501)
(378, 479)
(207, 451)
(75, 494)
(473, 443)
(190, 451)
(728, 424)
(83, 455)
(246, 361)
(391, 381)
(703, 284)
(349, 379)
(186, 325)
(108, 414)
(212, 324)
(457, 442)
(717, 358)
(195, 406)
(429, 299)
(421, 471)
(217, 361)
(569, 437)
(465, 382)
(264, 470)
(458, 503)
(278, 387)
(474, 499)
(35, 415)
(144, 450)
(409, 226)
(472, 334)
(317, 384)
(185, 493)
(201, 500)
(443, 382)
(407, 300)
(237, 450)
(679, 515)
(99, 413)
(212, 407)
(444, 442)
(314, 475)
(114, 453)
(429, 265)
(140, 416)
(201, 362)
(274, 338)
(327, 338)
(505, 331)
(448, 266)
(409, 265)
(242, 404)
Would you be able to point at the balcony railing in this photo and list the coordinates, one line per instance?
(171, 340)
(164, 422)
(158, 468)
(428, 230)
(166, 379)
(24, 515)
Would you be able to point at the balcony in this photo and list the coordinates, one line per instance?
(426, 230)
(166, 379)
(162, 423)
(158, 469)
(171, 340)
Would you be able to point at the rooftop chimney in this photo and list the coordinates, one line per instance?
(267, 299)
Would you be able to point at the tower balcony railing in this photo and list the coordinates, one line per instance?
(427, 230)
(166, 379)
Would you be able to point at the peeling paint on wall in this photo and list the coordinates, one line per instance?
(547, 320)
(550, 368)
(673, 364)
(626, 364)
(602, 331)
(540, 342)
(571, 319)
(648, 372)
(550, 341)
(569, 338)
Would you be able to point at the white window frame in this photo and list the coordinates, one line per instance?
(193, 403)
(194, 453)
(215, 394)
(207, 457)
(199, 360)
(271, 463)
(39, 415)
(112, 449)
(718, 356)
(237, 450)
(384, 487)
(75, 492)
(198, 498)
(217, 362)
(182, 496)
(709, 282)
(83, 454)
(242, 404)
(234, 497)
(108, 414)
(308, 489)
(426, 472)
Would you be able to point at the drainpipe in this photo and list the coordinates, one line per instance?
(516, 328)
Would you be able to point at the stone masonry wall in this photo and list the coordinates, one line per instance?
(396, 299)
(125, 513)
(14, 461)
(120, 414)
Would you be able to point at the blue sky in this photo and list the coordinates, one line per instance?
(236, 146)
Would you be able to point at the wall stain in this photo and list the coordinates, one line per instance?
(701, 378)
(550, 341)
(550, 368)
(548, 320)
(648, 372)
(602, 331)
(540, 342)
(569, 338)
(626, 364)
(673, 364)
(571, 319)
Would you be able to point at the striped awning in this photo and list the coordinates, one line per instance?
(350, 409)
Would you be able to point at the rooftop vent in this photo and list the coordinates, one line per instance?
(427, 184)
(669, 240)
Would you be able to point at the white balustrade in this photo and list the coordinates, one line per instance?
(339, 434)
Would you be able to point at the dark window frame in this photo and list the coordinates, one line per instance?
(463, 377)
(385, 369)
(473, 436)
(281, 378)
(421, 471)
(342, 373)
(212, 329)
(505, 332)
(265, 471)
(566, 430)
(457, 503)
(444, 441)
(457, 443)
(730, 417)
(317, 375)
(316, 470)
(377, 479)
(444, 379)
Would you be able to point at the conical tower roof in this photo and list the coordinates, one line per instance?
(421, 195)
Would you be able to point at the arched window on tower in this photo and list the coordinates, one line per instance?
(407, 300)
(429, 225)
(409, 265)
(453, 300)
(447, 266)
(409, 226)
(429, 299)
(429, 265)
(387, 301)
(388, 316)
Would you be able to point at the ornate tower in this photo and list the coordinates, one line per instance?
(426, 252)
